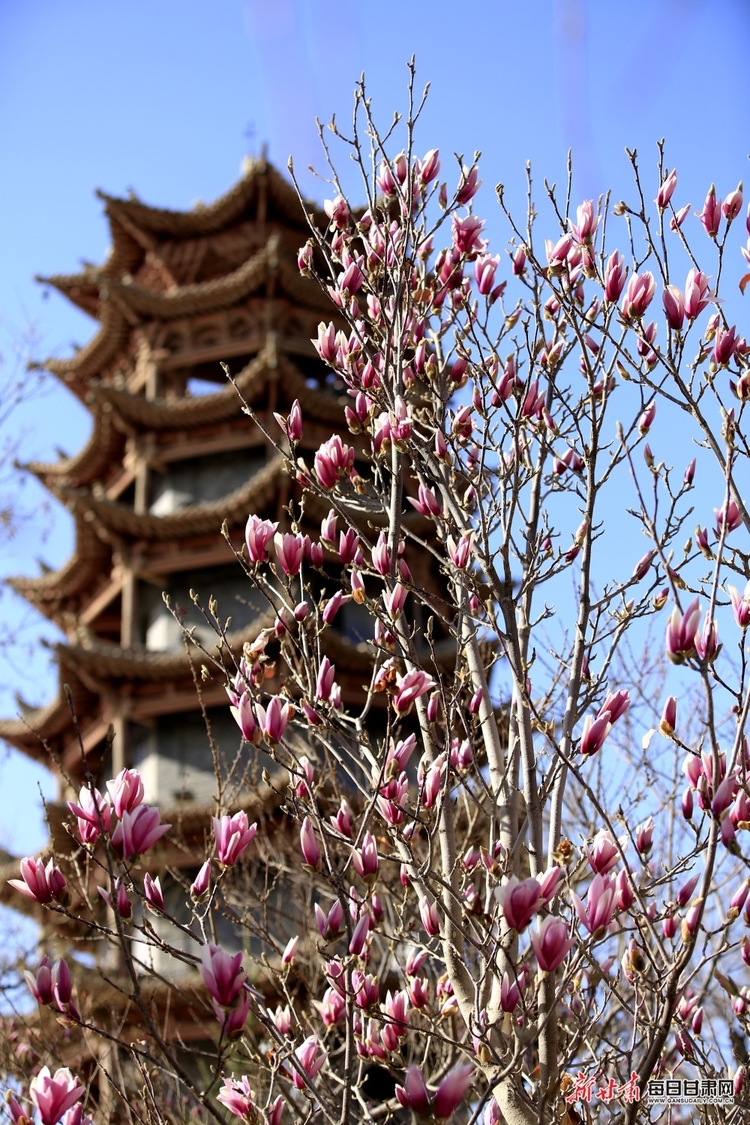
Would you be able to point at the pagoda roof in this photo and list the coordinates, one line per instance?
(282, 202)
(36, 727)
(203, 410)
(90, 557)
(195, 519)
(218, 293)
(103, 447)
(108, 660)
(123, 304)
(101, 349)
(261, 194)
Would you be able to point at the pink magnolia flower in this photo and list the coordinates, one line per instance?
(396, 1007)
(519, 901)
(333, 605)
(558, 253)
(669, 717)
(342, 821)
(93, 813)
(551, 943)
(121, 904)
(643, 566)
(687, 804)
(359, 936)
(332, 1007)
(239, 1099)
(244, 716)
(594, 733)
(326, 343)
(138, 831)
(333, 460)
(39, 882)
(615, 705)
(614, 277)
(428, 167)
(697, 294)
(467, 235)
(290, 950)
(308, 843)
(290, 551)
(329, 924)
(337, 210)
(359, 594)
(305, 258)
(427, 503)
(232, 1020)
(349, 281)
(586, 223)
(674, 307)
(381, 556)
(385, 179)
(394, 600)
(328, 527)
(392, 799)
(349, 547)
(409, 687)
(732, 205)
(400, 421)
(666, 190)
(519, 262)
(152, 892)
(41, 983)
(600, 905)
(707, 640)
(222, 974)
(725, 345)
(741, 605)
(202, 882)
(310, 1056)
(469, 184)
(366, 989)
(510, 993)
(625, 896)
(291, 426)
(274, 718)
(414, 1094)
(644, 836)
(326, 677)
(365, 858)
(604, 852)
(710, 216)
(429, 915)
(639, 294)
(460, 552)
(433, 780)
(549, 883)
(53, 1095)
(451, 1090)
(258, 534)
(233, 835)
(126, 791)
(681, 629)
(485, 268)
(679, 217)
(728, 517)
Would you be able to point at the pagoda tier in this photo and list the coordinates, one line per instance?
(173, 457)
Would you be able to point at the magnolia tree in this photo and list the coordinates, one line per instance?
(509, 878)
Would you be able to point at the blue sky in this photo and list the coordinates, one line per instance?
(167, 96)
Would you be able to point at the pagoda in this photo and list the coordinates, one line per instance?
(172, 457)
(158, 495)
(177, 459)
